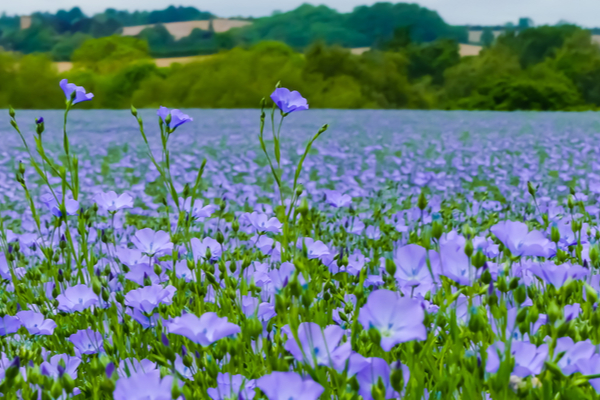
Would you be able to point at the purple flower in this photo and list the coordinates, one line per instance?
(35, 323)
(109, 201)
(204, 330)
(262, 223)
(398, 319)
(199, 211)
(529, 359)
(320, 346)
(51, 367)
(280, 277)
(76, 298)
(289, 101)
(9, 324)
(521, 242)
(454, 263)
(315, 249)
(411, 266)
(232, 387)
(200, 247)
(288, 386)
(152, 243)
(177, 117)
(71, 206)
(133, 366)
(590, 366)
(80, 94)
(376, 369)
(144, 320)
(146, 299)
(337, 200)
(39, 120)
(557, 275)
(252, 308)
(573, 353)
(87, 341)
(144, 386)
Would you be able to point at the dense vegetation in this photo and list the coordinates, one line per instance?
(545, 68)
(61, 33)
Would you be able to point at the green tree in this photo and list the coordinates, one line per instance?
(110, 53)
(487, 37)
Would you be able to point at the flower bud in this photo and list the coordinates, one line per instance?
(134, 111)
(520, 294)
(235, 225)
(437, 229)
(303, 208)
(486, 276)
(531, 189)
(390, 267)
(422, 201)
(469, 248)
(554, 312)
(554, 234)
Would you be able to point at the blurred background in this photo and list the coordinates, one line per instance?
(432, 54)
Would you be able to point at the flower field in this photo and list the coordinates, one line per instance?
(262, 254)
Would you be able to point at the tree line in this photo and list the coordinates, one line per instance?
(543, 68)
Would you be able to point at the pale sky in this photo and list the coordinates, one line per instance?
(459, 12)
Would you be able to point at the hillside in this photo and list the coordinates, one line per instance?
(186, 31)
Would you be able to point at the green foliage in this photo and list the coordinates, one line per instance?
(402, 73)
(363, 27)
(110, 53)
(432, 59)
(534, 45)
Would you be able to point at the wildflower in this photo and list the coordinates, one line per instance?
(204, 330)
(517, 238)
(337, 200)
(80, 94)
(35, 323)
(288, 101)
(590, 366)
(76, 298)
(144, 386)
(9, 324)
(288, 386)
(87, 341)
(52, 366)
(146, 299)
(152, 243)
(319, 346)
(262, 223)
(557, 275)
(398, 319)
(411, 266)
(529, 359)
(49, 200)
(573, 353)
(133, 366)
(199, 211)
(230, 386)
(177, 117)
(202, 248)
(109, 201)
(377, 370)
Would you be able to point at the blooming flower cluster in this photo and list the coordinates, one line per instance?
(303, 271)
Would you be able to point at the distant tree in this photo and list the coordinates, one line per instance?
(487, 37)
(109, 54)
(432, 59)
(400, 40)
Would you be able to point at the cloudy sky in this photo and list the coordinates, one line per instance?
(583, 12)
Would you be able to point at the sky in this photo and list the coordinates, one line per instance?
(457, 12)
